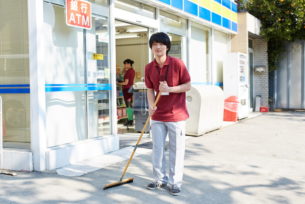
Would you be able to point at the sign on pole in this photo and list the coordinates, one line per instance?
(78, 14)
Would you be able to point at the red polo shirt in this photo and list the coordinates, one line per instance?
(130, 74)
(172, 107)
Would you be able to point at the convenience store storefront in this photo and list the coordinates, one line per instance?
(57, 82)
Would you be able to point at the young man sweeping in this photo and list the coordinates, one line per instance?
(169, 76)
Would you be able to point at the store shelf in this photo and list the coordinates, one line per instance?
(121, 113)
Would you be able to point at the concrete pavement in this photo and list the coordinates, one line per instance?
(258, 160)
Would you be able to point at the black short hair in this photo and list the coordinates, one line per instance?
(160, 37)
(128, 61)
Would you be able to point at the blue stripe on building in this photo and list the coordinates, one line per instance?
(226, 23)
(25, 88)
(205, 13)
(208, 83)
(15, 91)
(55, 89)
(177, 4)
(14, 85)
(226, 3)
(77, 87)
(166, 1)
(83, 85)
(216, 18)
(218, 84)
(234, 26)
(191, 7)
(14, 88)
(233, 7)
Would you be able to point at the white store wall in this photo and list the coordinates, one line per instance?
(221, 47)
(198, 55)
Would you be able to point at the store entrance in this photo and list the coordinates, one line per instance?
(131, 48)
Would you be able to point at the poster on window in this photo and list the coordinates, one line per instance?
(78, 14)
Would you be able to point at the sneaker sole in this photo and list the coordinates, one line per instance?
(157, 188)
(174, 194)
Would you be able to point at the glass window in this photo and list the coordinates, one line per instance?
(136, 7)
(172, 24)
(250, 43)
(66, 114)
(100, 2)
(98, 73)
(14, 73)
(176, 46)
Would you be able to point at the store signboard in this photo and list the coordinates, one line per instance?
(78, 14)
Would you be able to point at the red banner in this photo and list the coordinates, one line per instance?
(78, 14)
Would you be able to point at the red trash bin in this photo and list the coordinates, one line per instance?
(264, 109)
(230, 109)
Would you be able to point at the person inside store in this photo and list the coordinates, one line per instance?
(127, 83)
(169, 76)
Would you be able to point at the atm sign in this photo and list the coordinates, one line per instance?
(78, 14)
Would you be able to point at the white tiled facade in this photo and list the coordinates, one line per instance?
(260, 81)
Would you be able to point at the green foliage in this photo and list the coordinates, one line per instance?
(242, 5)
(282, 21)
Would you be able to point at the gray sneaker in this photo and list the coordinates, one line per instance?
(156, 185)
(174, 190)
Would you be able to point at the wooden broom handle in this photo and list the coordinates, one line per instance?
(139, 139)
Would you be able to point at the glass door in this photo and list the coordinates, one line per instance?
(98, 78)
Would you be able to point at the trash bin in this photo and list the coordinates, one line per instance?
(205, 107)
(140, 108)
(264, 109)
(140, 119)
(230, 109)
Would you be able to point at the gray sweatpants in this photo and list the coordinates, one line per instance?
(176, 133)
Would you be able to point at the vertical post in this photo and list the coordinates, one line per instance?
(288, 68)
(303, 76)
(212, 70)
(37, 84)
(188, 40)
(158, 19)
(275, 89)
(150, 32)
(113, 67)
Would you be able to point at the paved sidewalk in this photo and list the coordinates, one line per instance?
(258, 160)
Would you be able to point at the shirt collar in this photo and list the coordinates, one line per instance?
(166, 63)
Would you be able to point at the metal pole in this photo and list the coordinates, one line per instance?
(288, 68)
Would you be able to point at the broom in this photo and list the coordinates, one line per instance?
(130, 180)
